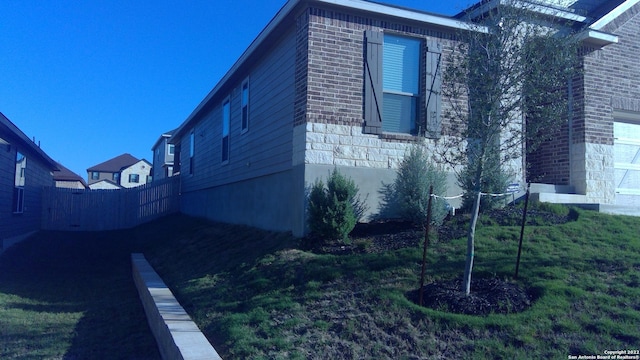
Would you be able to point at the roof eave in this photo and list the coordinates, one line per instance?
(539, 8)
(290, 6)
(24, 139)
(162, 137)
(613, 14)
(597, 38)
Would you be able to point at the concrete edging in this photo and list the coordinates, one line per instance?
(176, 334)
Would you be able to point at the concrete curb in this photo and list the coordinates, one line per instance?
(177, 335)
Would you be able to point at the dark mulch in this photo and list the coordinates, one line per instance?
(373, 237)
(487, 296)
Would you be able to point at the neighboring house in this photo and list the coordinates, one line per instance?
(122, 171)
(24, 170)
(66, 178)
(163, 156)
(351, 84)
(105, 184)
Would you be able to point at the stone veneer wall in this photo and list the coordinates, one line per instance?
(345, 145)
(611, 81)
(367, 159)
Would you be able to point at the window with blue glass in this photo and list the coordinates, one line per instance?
(19, 183)
(400, 83)
(245, 106)
(226, 121)
(192, 151)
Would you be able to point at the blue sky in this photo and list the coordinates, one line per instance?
(91, 80)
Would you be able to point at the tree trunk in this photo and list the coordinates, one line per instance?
(466, 281)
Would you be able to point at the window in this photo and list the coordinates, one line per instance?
(172, 149)
(395, 89)
(134, 178)
(192, 150)
(95, 175)
(115, 177)
(19, 181)
(245, 106)
(400, 83)
(226, 120)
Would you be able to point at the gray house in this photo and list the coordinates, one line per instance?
(24, 170)
(163, 157)
(351, 84)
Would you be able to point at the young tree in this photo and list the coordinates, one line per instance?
(513, 74)
(415, 175)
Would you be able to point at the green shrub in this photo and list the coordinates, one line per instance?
(335, 209)
(411, 188)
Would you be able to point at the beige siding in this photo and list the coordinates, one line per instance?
(141, 168)
(267, 147)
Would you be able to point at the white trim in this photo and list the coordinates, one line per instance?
(626, 166)
(381, 9)
(597, 37)
(613, 14)
(626, 141)
(393, 92)
(623, 191)
(536, 7)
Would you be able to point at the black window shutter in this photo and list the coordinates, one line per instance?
(373, 82)
(433, 93)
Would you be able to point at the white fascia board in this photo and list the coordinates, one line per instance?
(385, 10)
(361, 5)
(551, 11)
(531, 6)
(598, 38)
(603, 21)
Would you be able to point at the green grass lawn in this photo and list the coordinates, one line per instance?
(257, 295)
(71, 296)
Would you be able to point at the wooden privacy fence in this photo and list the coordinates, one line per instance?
(100, 210)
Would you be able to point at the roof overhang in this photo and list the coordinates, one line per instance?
(160, 139)
(289, 10)
(537, 7)
(21, 138)
(613, 14)
(597, 38)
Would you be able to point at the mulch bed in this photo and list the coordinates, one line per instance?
(487, 296)
(373, 237)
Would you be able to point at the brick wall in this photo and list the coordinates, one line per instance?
(330, 86)
(582, 155)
